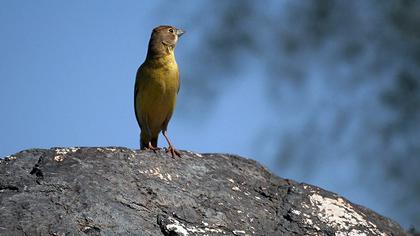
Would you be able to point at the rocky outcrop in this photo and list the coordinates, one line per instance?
(118, 191)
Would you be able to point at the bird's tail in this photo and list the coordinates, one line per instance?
(144, 141)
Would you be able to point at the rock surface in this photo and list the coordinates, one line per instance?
(118, 191)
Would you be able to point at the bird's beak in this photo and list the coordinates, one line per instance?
(180, 32)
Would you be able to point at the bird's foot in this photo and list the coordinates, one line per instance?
(154, 149)
(174, 153)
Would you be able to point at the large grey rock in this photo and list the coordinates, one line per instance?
(118, 191)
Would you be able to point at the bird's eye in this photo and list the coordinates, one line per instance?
(171, 30)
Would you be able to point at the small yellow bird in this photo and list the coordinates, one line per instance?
(156, 88)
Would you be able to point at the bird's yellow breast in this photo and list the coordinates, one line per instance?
(158, 84)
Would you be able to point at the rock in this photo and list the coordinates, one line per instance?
(118, 191)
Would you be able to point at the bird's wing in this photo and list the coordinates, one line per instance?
(136, 90)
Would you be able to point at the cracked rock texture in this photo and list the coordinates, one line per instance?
(119, 191)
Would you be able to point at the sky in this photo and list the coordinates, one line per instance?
(67, 71)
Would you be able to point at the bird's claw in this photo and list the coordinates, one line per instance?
(173, 152)
(154, 149)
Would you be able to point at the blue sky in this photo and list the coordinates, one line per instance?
(67, 73)
(67, 79)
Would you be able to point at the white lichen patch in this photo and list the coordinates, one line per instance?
(64, 151)
(181, 229)
(61, 152)
(194, 153)
(296, 212)
(214, 230)
(250, 219)
(176, 228)
(158, 173)
(239, 232)
(308, 221)
(353, 232)
(106, 149)
(195, 230)
(304, 205)
(59, 158)
(204, 231)
(10, 158)
(235, 188)
(339, 214)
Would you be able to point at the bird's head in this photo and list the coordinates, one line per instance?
(163, 40)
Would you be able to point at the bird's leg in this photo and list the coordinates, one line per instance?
(171, 147)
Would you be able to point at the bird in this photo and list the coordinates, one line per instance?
(156, 88)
